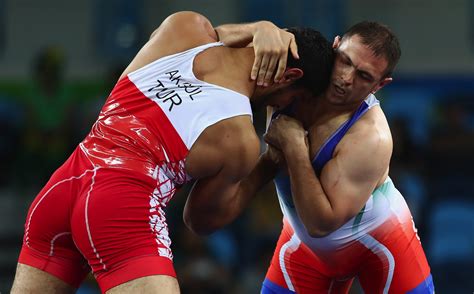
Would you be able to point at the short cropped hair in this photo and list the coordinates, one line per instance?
(316, 59)
(380, 39)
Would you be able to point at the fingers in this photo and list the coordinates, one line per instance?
(263, 70)
(269, 140)
(270, 71)
(283, 58)
(256, 66)
(294, 48)
(271, 57)
(281, 67)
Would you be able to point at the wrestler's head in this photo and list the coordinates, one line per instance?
(366, 56)
(307, 76)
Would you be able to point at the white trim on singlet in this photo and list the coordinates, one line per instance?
(86, 216)
(27, 230)
(371, 101)
(190, 104)
(199, 48)
(382, 252)
(51, 249)
(291, 246)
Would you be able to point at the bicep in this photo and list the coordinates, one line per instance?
(236, 160)
(349, 179)
(214, 186)
(214, 195)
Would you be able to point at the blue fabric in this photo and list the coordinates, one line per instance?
(282, 180)
(424, 287)
(326, 151)
(269, 287)
(283, 187)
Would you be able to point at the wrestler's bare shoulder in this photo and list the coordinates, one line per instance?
(371, 131)
(177, 33)
(230, 142)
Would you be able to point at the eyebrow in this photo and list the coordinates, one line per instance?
(358, 69)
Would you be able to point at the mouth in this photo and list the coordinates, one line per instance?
(339, 90)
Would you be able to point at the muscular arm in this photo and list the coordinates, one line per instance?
(347, 180)
(186, 29)
(240, 35)
(225, 163)
(216, 201)
(178, 32)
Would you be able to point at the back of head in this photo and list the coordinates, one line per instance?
(316, 59)
(380, 39)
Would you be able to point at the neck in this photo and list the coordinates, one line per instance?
(241, 62)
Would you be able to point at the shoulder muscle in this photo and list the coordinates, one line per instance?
(178, 32)
(229, 147)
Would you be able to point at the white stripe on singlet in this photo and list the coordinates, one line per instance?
(381, 251)
(291, 246)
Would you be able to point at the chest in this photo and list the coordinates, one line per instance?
(319, 133)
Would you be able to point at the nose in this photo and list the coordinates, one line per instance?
(347, 75)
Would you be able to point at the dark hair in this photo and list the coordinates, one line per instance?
(380, 39)
(316, 59)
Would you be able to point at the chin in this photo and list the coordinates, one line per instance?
(337, 100)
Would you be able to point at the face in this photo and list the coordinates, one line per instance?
(356, 73)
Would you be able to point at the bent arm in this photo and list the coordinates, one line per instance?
(324, 204)
(216, 201)
(271, 45)
(178, 32)
(241, 35)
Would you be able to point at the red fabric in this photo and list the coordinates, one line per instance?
(333, 272)
(98, 215)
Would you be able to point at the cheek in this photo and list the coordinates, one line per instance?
(337, 73)
(285, 100)
(368, 87)
(338, 67)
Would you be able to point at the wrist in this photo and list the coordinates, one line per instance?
(267, 161)
(294, 146)
(260, 25)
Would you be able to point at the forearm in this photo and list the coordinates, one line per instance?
(263, 172)
(238, 35)
(309, 197)
(205, 212)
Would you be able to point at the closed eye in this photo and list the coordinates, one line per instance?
(366, 76)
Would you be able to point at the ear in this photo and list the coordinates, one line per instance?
(336, 42)
(292, 74)
(381, 84)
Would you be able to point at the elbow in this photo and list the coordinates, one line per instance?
(199, 226)
(200, 230)
(317, 233)
(319, 230)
